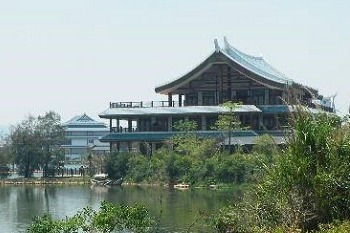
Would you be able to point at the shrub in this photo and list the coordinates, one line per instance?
(107, 219)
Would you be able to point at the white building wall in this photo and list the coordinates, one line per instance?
(79, 142)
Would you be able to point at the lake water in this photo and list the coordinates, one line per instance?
(174, 210)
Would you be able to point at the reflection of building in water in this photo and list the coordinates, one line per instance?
(81, 138)
(227, 74)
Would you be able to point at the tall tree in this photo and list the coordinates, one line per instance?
(228, 121)
(50, 132)
(35, 143)
(24, 143)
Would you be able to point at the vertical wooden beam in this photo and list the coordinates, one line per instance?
(118, 125)
(229, 88)
(129, 125)
(216, 90)
(221, 84)
(170, 99)
(129, 146)
(267, 99)
(170, 123)
(204, 122)
(153, 144)
(180, 100)
(199, 98)
(261, 121)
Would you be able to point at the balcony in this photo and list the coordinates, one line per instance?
(144, 104)
(155, 104)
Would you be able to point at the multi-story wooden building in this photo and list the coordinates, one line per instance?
(265, 94)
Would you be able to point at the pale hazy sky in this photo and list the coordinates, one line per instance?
(75, 56)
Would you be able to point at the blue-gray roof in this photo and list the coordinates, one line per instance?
(255, 64)
(83, 121)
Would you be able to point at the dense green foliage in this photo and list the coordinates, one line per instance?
(5, 155)
(107, 219)
(308, 185)
(35, 143)
(193, 160)
(5, 160)
(203, 165)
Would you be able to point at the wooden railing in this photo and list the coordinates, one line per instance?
(145, 104)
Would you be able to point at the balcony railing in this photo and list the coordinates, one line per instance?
(154, 104)
(145, 104)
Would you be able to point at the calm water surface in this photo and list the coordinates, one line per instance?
(174, 210)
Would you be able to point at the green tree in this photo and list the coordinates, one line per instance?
(35, 143)
(117, 165)
(228, 121)
(50, 132)
(26, 146)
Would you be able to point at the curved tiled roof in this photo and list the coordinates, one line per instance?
(255, 64)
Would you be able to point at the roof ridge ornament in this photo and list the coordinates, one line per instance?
(217, 47)
(227, 45)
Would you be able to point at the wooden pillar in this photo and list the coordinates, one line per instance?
(138, 124)
(180, 100)
(204, 122)
(129, 146)
(229, 82)
(129, 125)
(170, 99)
(267, 101)
(118, 124)
(261, 121)
(153, 147)
(276, 126)
(170, 123)
(200, 98)
(110, 125)
(221, 80)
(216, 90)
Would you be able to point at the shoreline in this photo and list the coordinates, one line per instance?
(45, 180)
(79, 180)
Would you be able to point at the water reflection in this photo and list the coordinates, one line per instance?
(174, 210)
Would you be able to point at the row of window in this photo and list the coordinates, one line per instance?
(254, 97)
(268, 122)
(85, 133)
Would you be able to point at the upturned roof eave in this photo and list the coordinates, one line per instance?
(217, 57)
(169, 86)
